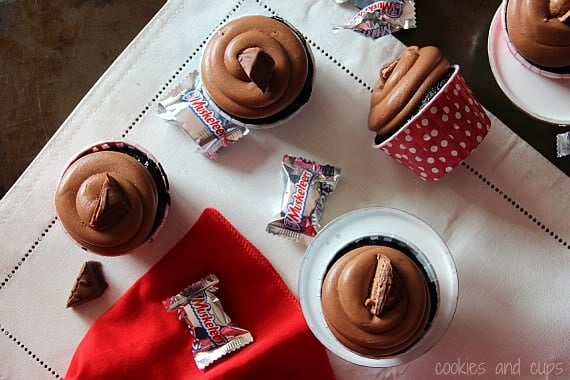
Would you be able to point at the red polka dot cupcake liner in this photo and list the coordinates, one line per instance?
(438, 138)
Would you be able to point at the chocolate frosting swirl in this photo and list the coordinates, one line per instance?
(402, 85)
(540, 30)
(372, 307)
(107, 202)
(232, 89)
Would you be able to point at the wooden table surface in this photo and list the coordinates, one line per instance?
(51, 53)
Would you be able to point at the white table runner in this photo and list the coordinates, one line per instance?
(503, 213)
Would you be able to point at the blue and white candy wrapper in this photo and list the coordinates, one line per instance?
(189, 107)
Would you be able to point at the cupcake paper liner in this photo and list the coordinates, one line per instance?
(442, 134)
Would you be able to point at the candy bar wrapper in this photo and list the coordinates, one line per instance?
(382, 18)
(213, 332)
(563, 144)
(189, 107)
(307, 185)
(357, 3)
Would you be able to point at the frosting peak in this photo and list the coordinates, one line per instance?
(402, 85)
(560, 9)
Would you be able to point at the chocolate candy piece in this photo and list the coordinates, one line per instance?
(258, 66)
(111, 205)
(90, 284)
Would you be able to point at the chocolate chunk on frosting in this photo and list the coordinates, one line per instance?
(90, 284)
(258, 66)
(560, 9)
(384, 289)
(111, 206)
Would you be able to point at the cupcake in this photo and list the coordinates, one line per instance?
(112, 198)
(378, 287)
(258, 70)
(376, 300)
(424, 114)
(538, 34)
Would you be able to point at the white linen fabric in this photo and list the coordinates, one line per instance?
(503, 212)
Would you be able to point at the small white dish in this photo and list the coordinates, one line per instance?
(541, 97)
(392, 226)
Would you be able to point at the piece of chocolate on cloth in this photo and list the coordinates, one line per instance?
(90, 284)
(136, 338)
(258, 66)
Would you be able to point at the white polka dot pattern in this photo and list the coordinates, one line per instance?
(443, 134)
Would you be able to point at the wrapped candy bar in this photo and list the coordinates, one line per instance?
(382, 18)
(189, 107)
(357, 3)
(307, 185)
(563, 144)
(213, 332)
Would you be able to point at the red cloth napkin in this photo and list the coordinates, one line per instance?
(137, 339)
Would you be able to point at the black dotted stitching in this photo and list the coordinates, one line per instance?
(325, 53)
(515, 204)
(125, 133)
(28, 253)
(178, 72)
(27, 351)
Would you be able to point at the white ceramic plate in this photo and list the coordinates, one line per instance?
(547, 99)
(390, 224)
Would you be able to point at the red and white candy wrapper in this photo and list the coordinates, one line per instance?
(213, 332)
(307, 185)
(442, 134)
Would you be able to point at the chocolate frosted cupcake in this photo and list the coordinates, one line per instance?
(376, 301)
(538, 34)
(112, 198)
(424, 114)
(378, 287)
(257, 69)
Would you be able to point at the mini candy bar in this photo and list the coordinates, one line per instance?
(382, 18)
(213, 332)
(563, 144)
(307, 185)
(189, 107)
